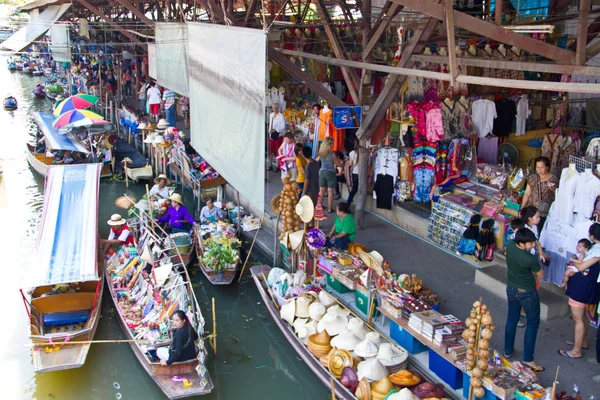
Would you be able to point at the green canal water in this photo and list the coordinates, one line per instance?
(254, 360)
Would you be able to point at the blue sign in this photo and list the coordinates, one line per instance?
(347, 117)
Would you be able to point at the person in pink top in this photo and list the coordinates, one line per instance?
(286, 156)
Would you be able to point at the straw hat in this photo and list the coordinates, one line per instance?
(305, 209)
(333, 323)
(381, 388)
(162, 124)
(389, 355)
(338, 360)
(288, 311)
(116, 220)
(366, 349)
(372, 260)
(363, 391)
(296, 239)
(125, 202)
(274, 204)
(318, 344)
(373, 337)
(316, 311)
(358, 328)
(354, 248)
(302, 304)
(162, 176)
(372, 369)
(176, 197)
(337, 309)
(305, 331)
(299, 323)
(326, 299)
(345, 340)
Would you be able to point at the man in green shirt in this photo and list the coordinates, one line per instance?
(344, 229)
(523, 267)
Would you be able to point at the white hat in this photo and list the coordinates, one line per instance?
(150, 138)
(305, 331)
(358, 328)
(337, 309)
(326, 299)
(364, 277)
(296, 238)
(116, 219)
(299, 323)
(389, 355)
(366, 349)
(288, 311)
(302, 304)
(404, 394)
(142, 126)
(371, 369)
(162, 124)
(305, 209)
(147, 255)
(345, 340)
(159, 139)
(316, 311)
(162, 176)
(373, 337)
(333, 323)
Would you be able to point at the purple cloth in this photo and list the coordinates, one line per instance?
(174, 215)
(488, 150)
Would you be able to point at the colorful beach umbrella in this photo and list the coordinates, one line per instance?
(88, 97)
(75, 118)
(71, 103)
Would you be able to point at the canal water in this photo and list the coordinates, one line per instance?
(254, 360)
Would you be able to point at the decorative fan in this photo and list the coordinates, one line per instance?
(508, 154)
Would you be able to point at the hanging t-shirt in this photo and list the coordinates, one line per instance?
(384, 190)
(483, 115)
(523, 112)
(435, 127)
(506, 111)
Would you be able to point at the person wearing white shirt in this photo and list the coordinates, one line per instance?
(154, 99)
(160, 191)
(354, 157)
(276, 130)
(210, 213)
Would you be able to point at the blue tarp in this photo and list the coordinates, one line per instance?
(54, 139)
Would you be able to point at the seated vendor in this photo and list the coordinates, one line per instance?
(344, 229)
(119, 232)
(210, 213)
(177, 218)
(63, 288)
(160, 191)
(182, 347)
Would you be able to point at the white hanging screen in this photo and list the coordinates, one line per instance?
(61, 51)
(152, 61)
(171, 56)
(226, 80)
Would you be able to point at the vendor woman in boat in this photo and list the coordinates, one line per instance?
(182, 347)
(160, 191)
(177, 218)
(210, 213)
(120, 233)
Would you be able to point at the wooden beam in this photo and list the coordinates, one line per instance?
(109, 21)
(380, 26)
(451, 42)
(513, 65)
(350, 76)
(570, 87)
(293, 69)
(582, 31)
(492, 31)
(592, 30)
(249, 11)
(593, 50)
(497, 12)
(128, 4)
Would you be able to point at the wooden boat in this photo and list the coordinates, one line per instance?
(144, 173)
(225, 277)
(10, 107)
(341, 392)
(27, 70)
(62, 322)
(19, 66)
(40, 163)
(178, 279)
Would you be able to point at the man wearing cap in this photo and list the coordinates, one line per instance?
(160, 191)
(177, 215)
(210, 213)
(119, 232)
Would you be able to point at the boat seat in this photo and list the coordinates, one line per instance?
(66, 318)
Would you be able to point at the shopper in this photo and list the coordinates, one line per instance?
(521, 292)
(169, 100)
(316, 124)
(540, 189)
(300, 166)
(154, 99)
(287, 158)
(532, 219)
(344, 229)
(127, 80)
(583, 288)
(142, 95)
(327, 178)
(354, 158)
(311, 175)
(276, 130)
(184, 102)
(340, 165)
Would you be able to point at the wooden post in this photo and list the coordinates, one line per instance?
(214, 315)
(451, 42)
(498, 12)
(584, 13)
(250, 250)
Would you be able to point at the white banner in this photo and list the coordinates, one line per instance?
(61, 51)
(171, 56)
(152, 60)
(227, 95)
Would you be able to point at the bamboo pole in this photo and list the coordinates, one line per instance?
(149, 203)
(332, 389)
(269, 291)
(251, 247)
(553, 394)
(214, 315)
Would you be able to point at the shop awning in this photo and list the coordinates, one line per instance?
(31, 32)
(67, 245)
(54, 139)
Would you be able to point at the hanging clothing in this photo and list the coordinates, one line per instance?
(523, 112)
(483, 115)
(451, 118)
(562, 209)
(423, 183)
(506, 111)
(488, 149)
(570, 147)
(384, 190)
(588, 188)
(434, 125)
(551, 148)
(326, 129)
(386, 162)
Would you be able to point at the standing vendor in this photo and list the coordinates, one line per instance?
(120, 233)
(160, 191)
(177, 217)
(210, 213)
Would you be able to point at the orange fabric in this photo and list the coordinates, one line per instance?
(339, 136)
(325, 122)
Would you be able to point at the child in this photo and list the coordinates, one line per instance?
(515, 225)
(582, 248)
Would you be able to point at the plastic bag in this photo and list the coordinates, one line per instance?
(466, 246)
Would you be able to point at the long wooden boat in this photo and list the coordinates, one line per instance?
(168, 378)
(40, 163)
(341, 392)
(226, 277)
(63, 319)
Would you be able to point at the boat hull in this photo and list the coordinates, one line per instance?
(226, 278)
(38, 165)
(341, 392)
